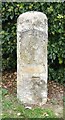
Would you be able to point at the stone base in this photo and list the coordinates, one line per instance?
(32, 90)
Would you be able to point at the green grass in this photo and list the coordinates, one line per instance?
(12, 108)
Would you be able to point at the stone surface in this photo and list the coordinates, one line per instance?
(32, 37)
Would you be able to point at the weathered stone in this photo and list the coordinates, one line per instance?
(32, 37)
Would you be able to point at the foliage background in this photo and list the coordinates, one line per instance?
(56, 36)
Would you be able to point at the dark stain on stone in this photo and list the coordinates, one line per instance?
(37, 86)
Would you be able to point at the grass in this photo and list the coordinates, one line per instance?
(12, 108)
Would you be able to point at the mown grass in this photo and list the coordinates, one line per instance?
(12, 108)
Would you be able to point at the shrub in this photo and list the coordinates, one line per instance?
(56, 42)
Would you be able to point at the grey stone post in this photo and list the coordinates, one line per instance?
(32, 38)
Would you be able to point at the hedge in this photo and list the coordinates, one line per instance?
(56, 36)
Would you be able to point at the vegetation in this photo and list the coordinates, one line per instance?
(13, 108)
(56, 42)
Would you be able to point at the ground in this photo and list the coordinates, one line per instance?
(13, 107)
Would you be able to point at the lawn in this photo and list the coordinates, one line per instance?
(12, 108)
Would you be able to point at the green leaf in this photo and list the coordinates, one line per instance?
(60, 60)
